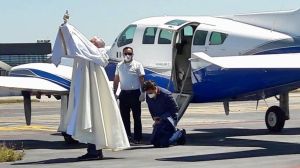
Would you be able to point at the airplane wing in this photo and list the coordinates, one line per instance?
(292, 60)
(13, 86)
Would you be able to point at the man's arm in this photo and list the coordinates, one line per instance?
(116, 83)
(142, 79)
(141, 73)
(171, 107)
(143, 94)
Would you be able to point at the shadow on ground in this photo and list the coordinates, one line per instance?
(59, 144)
(39, 144)
(60, 160)
(225, 138)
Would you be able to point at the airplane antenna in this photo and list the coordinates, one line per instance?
(66, 17)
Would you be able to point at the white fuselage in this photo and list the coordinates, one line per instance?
(157, 55)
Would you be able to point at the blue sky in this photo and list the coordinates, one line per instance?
(31, 20)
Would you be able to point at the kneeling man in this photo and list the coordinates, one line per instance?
(163, 109)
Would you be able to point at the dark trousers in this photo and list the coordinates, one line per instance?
(129, 100)
(91, 149)
(161, 134)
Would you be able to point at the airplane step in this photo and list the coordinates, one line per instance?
(183, 101)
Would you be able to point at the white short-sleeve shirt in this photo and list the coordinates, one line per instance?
(129, 74)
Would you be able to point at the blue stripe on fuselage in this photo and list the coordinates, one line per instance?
(47, 76)
(161, 80)
(219, 84)
(295, 49)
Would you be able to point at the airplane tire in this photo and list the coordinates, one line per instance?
(275, 119)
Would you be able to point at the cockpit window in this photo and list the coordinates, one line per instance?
(165, 36)
(126, 36)
(176, 22)
(217, 38)
(149, 35)
(200, 37)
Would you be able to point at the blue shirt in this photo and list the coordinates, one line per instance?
(162, 105)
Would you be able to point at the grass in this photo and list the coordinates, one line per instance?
(6, 101)
(8, 154)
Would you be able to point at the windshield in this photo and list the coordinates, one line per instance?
(126, 36)
(176, 22)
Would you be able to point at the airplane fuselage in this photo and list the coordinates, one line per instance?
(164, 46)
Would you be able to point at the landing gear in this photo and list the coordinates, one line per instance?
(275, 119)
(27, 106)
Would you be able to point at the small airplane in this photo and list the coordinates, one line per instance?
(181, 54)
(200, 59)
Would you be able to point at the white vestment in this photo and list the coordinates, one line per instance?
(93, 115)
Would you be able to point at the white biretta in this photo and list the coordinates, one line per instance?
(93, 115)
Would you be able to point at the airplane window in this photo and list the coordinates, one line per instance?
(200, 37)
(165, 36)
(149, 35)
(23, 72)
(217, 38)
(176, 22)
(126, 36)
(188, 31)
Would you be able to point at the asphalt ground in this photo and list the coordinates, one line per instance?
(213, 139)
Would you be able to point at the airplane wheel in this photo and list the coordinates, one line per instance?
(68, 138)
(275, 119)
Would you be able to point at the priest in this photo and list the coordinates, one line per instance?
(93, 115)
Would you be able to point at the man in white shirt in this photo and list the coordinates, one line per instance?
(130, 74)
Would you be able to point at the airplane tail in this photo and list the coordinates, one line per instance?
(282, 21)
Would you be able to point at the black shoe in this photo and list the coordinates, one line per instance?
(182, 140)
(88, 157)
(137, 142)
(68, 138)
(131, 141)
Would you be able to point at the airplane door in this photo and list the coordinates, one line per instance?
(181, 70)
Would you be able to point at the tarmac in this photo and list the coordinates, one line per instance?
(213, 139)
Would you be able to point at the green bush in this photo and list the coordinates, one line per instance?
(10, 155)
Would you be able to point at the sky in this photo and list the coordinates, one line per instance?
(26, 21)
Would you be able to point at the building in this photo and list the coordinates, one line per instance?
(15, 54)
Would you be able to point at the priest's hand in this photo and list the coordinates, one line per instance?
(142, 97)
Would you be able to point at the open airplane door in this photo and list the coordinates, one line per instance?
(181, 66)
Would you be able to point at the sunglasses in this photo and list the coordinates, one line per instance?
(128, 54)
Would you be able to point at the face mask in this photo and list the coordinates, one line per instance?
(127, 58)
(152, 95)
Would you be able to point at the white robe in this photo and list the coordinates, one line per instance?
(93, 115)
